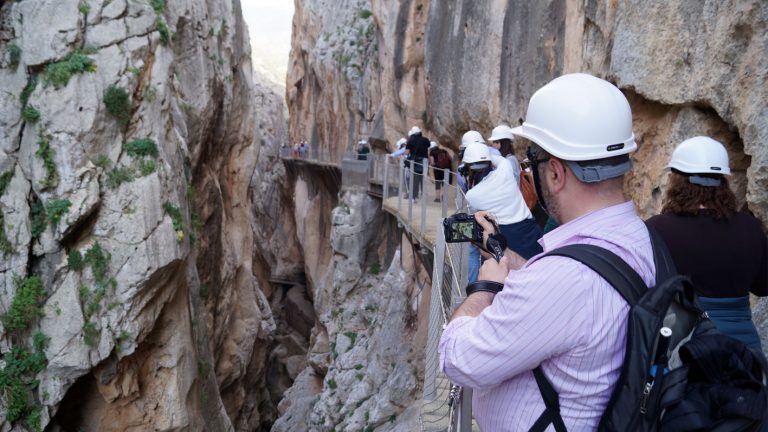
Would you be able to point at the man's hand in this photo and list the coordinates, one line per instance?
(482, 218)
(495, 271)
(514, 261)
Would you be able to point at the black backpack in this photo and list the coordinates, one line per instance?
(680, 373)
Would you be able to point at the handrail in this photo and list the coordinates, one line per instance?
(405, 191)
(445, 407)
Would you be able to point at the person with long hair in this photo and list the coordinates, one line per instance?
(723, 250)
(501, 139)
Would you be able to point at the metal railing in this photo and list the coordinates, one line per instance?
(415, 193)
(445, 407)
(421, 210)
(424, 194)
(310, 153)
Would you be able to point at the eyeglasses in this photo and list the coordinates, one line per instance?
(534, 161)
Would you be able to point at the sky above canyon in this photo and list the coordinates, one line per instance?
(269, 24)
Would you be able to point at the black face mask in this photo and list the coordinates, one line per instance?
(536, 178)
(476, 176)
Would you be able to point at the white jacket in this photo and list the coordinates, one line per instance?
(499, 194)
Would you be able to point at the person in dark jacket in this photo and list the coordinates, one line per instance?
(724, 251)
(417, 149)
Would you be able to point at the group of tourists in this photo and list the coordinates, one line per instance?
(299, 150)
(421, 156)
(490, 177)
(538, 319)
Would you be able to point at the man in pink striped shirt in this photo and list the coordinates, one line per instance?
(554, 311)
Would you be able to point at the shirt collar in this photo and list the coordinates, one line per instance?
(564, 234)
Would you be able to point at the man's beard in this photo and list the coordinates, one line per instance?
(553, 205)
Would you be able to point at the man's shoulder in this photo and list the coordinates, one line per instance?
(659, 219)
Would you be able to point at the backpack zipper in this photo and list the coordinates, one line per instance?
(644, 399)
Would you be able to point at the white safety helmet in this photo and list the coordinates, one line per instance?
(476, 152)
(471, 137)
(579, 117)
(501, 132)
(414, 130)
(363, 142)
(432, 144)
(700, 155)
(401, 142)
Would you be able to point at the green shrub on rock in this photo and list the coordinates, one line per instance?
(30, 114)
(118, 176)
(147, 167)
(165, 32)
(158, 6)
(141, 147)
(118, 104)
(6, 247)
(56, 209)
(14, 54)
(60, 72)
(46, 153)
(38, 219)
(75, 261)
(26, 305)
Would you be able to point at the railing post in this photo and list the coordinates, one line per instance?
(465, 410)
(459, 198)
(424, 170)
(410, 192)
(444, 193)
(371, 167)
(401, 187)
(385, 192)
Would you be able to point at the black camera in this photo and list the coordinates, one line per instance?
(462, 227)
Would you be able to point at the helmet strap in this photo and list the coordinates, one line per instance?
(704, 181)
(536, 177)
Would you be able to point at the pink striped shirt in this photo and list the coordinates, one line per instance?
(555, 312)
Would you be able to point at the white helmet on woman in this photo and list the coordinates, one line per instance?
(579, 117)
(414, 130)
(700, 155)
(471, 137)
(476, 152)
(501, 132)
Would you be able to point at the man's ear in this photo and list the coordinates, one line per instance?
(556, 174)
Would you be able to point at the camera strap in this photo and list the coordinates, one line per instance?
(496, 244)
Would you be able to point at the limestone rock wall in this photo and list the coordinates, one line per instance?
(689, 68)
(130, 136)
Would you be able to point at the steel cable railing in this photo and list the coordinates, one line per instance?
(410, 191)
(421, 209)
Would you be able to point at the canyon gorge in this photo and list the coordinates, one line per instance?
(162, 268)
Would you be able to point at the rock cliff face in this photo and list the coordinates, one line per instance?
(133, 149)
(688, 68)
(372, 69)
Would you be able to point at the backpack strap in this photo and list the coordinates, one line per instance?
(609, 266)
(551, 414)
(623, 278)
